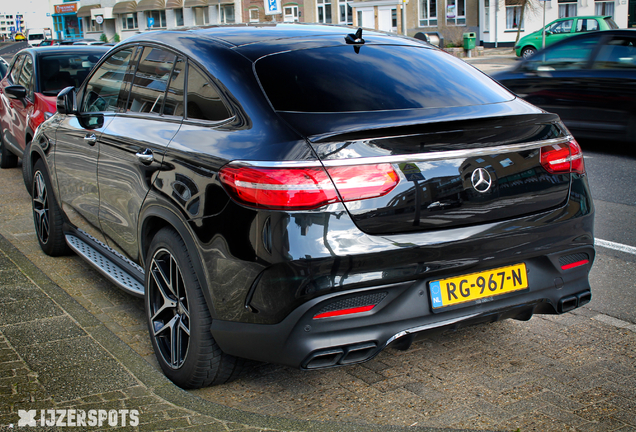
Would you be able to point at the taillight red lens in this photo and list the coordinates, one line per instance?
(359, 182)
(306, 187)
(563, 158)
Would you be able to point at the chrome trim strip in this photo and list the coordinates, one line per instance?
(419, 157)
(429, 326)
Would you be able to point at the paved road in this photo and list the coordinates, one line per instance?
(553, 373)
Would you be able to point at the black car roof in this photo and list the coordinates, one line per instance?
(257, 40)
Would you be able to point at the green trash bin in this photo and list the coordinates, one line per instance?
(469, 41)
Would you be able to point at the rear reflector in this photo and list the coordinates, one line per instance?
(563, 158)
(304, 188)
(574, 264)
(345, 312)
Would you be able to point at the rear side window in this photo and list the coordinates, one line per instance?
(584, 25)
(203, 100)
(611, 23)
(377, 77)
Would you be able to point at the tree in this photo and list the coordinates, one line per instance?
(533, 6)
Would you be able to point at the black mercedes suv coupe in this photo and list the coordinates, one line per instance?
(309, 195)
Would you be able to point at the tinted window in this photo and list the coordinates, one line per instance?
(174, 97)
(574, 54)
(26, 76)
(104, 88)
(375, 78)
(151, 80)
(617, 53)
(59, 71)
(611, 24)
(15, 69)
(203, 101)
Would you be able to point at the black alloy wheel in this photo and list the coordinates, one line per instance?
(179, 319)
(47, 216)
(169, 309)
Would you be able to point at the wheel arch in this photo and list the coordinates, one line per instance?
(159, 214)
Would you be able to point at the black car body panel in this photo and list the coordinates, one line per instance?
(269, 272)
(589, 80)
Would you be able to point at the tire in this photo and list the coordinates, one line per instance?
(26, 169)
(528, 52)
(7, 159)
(47, 216)
(179, 320)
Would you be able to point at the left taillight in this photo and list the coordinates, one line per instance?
(563, 158)
(304, 188)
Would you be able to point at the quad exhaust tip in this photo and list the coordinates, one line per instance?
(341, 356)
(566, 304)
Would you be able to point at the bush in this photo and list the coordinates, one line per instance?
(103, 38)
(116, 38)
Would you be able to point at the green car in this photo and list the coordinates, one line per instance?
(561, 29)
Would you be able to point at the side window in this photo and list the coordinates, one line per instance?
(568, 56)
(203, 100)
(26, 76)
(151, 81)
(583, 25)
(617, 53)
(15, 70)
(105, 86)
(174, 97)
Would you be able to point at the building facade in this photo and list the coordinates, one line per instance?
(500, 19)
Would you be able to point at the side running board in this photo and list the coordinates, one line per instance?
(106, 265)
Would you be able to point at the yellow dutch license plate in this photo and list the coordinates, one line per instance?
(461, 289)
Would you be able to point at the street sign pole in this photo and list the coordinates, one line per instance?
(543, 43)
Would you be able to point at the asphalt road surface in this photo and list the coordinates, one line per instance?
(613, 186)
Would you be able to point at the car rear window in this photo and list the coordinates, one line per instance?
(611, 23)
(375, 77)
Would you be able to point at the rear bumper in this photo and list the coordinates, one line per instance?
(404, 311)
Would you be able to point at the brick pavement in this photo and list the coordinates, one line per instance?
(570, 372)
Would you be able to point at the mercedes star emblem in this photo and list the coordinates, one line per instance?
(481, 180)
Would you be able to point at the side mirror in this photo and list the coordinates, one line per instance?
(16, 92)
(548, 32)
(66, 102)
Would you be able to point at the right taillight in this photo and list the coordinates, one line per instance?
(304, 188)
(563, 158)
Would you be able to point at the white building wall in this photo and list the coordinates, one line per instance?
(496, 32)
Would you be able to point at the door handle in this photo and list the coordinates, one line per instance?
(90, 139)
(145, 157)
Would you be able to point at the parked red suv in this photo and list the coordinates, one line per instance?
(29, 90)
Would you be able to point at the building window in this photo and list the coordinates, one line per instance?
(567, 9)
(428, 13)
(604, 8)
(92, 26)
(254, 16)
(201, 15)
(178, 17)
(129, 21)
(227, 14)
(324, 11)
(456, 12)
(156, 19)
(486, 15)
(346, 12)
(513, 15)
